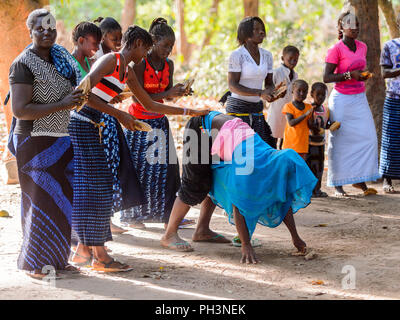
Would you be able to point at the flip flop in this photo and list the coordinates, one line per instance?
(219, 238)
(84, 264)
(388, 189)
(341, 195)
(174, 246)
(107, 267)
(186, 223)
(254, 242)
(370, 191)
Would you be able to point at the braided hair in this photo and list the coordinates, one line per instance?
(135, 32)
(84, 29)
(108, 25)
(159, 29)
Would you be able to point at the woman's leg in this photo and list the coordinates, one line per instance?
(203, 231)
(290, 224)
(387, 185)
(171, 239)
(248, 254)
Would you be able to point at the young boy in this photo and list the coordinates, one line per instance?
(318, 122)
(297, 114)
(285, 72)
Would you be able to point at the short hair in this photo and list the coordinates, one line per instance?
(300, 82)
(135, 32)
(340, 22)
(290, 49)
(318, 85)
(31, 20)
(159, 29)
(84, 29)
(108, 25)
(246, 28)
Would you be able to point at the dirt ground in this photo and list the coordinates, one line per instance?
(360, 234)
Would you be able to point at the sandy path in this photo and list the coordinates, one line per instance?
(360, 232)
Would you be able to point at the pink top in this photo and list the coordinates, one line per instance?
(230, 135)
(347, 60)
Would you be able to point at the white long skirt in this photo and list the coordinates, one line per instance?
(352, 149)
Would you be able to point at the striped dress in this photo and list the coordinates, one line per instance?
(45, 167)
(389, 165)
(154, 156)
(95, 177)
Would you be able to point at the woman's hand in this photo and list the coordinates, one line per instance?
(176, 91)
(248, 254)
(357, 75)
(75, 98)
(267, 95)
(127, 120)
(196, 113)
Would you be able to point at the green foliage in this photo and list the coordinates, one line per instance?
(308, 24)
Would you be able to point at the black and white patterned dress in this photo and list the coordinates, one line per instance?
(45, 167)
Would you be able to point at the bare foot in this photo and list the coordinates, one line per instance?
(115, 229)
(176, 243)
(300, 245)
(209, 236)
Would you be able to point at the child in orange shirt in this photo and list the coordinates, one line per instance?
(296, 134)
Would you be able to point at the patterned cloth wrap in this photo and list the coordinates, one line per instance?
(66, 66)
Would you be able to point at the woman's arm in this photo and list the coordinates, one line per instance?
(24, 109)
(388, 72)
(234, 86)
(153, 106)
(248, 254)
(330, 76)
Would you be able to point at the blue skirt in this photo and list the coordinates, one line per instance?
(155, 160)
(95, 177)
(45, 170)
(390, 147)
(262, 183)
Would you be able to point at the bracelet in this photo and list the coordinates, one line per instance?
(347, 75)
(184, 111)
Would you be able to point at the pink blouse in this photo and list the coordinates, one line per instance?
(230, 135)
(347, 60)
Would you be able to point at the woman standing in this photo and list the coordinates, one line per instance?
(160, 180)
(94, 181)
(249, 68)
(42, 81)
(390, 147)
(353, 150)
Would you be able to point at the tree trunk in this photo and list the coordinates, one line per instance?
(13, 15)
(183, 47)
(390, 17)
(250, 8)
(213, 16)
(368, 14)
(128, 14)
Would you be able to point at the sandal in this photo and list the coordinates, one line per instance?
(112, 266)
(370, 191)
(254, 242)
(179, 246)
(186, 223)
(388, 189)
(341, 195)
(84, 264)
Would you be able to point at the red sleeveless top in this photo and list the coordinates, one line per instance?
(153, 83)
(110, 86)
